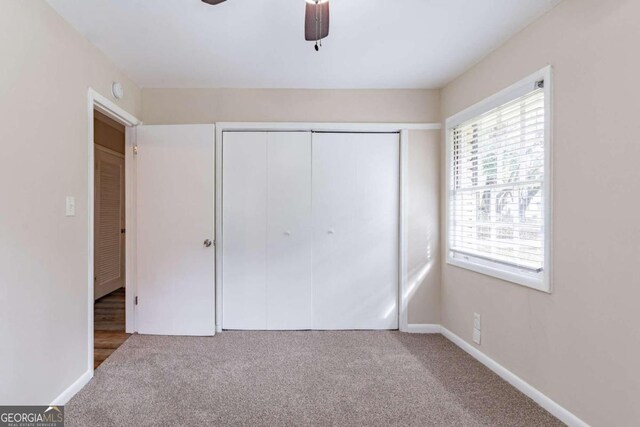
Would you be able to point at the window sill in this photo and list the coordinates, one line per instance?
(537, 281)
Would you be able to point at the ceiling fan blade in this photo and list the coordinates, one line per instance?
(213, 2)
(316, 21)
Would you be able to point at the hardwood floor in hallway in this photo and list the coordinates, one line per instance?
(108, 325)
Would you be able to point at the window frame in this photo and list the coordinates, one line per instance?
(538, 281)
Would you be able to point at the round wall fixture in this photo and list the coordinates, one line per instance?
(117, 90)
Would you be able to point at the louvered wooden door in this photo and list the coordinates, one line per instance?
(109, 222)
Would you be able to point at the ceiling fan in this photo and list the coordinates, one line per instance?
(316, 20)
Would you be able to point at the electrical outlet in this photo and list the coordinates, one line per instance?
(476, 336)
(476, 321)
(477, 328)
(70, 206)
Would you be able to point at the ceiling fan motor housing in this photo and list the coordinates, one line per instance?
(316, 21)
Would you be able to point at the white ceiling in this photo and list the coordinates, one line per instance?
(260, 43)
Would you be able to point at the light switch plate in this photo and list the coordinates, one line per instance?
(70, 207)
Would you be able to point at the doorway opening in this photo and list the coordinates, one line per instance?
(111, 227)
(109, 266)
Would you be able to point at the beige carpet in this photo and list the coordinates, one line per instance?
(299, 378)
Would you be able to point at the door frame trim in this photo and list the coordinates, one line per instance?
(96, 101)
(401, 128)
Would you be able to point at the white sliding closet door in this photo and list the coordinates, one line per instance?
(244, 230)
(355, 230)
(266, 230)
(289, 230)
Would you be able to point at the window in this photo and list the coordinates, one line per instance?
(499, 183)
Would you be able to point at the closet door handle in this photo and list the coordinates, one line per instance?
(331, 231)
(287, 233)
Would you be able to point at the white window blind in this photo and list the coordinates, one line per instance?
(497, 184)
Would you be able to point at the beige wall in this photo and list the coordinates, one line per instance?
(581, 344)
(46, 71)
(423, 222)
(171, 106)
(180, 106)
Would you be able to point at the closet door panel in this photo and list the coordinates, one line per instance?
(355, 224)
(244, 224)
(289, 230)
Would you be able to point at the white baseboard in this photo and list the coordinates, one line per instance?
(66, 395)
(552, 407)
(422, 328)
